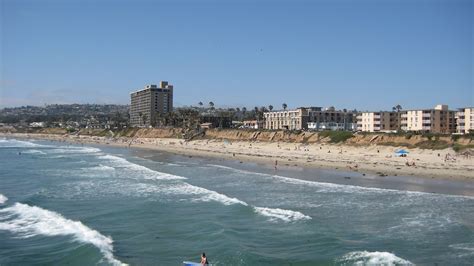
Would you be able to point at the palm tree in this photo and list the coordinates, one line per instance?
(284, 105)
(200, 104)
(270, 107)
(211, 104)
(397, 108)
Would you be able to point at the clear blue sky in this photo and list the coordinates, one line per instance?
(368, 55)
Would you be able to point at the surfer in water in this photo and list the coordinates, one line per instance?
(204, 259)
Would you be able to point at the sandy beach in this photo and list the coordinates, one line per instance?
(374, 159)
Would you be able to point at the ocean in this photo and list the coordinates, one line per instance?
(98, 205)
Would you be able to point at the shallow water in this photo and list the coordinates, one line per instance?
(69, 204)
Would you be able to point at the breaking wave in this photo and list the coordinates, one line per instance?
(281, 214)
(205, 195)
(3, 199)
(29, 221)
(75, 150)
(147, 173)
(100, 167)
(13, 143)
(372, 258)
(34, 152)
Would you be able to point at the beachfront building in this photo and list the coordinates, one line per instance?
(465, 120)
(331, 119)
(253, 124)
(377, 121)
(288, 119)
(437, 120)
(148, 103)
(314, 118)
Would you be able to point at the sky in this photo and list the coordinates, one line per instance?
(359, 54)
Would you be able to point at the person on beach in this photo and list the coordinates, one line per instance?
(276, 164)
(204, 259)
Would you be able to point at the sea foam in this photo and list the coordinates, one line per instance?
(372, 258)
(13, 143)
(281, 214)
(203, 194)
(147, 173)
(28, 221)
(3, 199)
(33, 152)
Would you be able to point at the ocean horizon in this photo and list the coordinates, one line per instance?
(76, 204)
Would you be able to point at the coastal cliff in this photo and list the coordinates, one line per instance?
(427, 141)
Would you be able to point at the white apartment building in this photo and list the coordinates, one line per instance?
(288, 119)
(377, 121)
(465, 120)
(314, 118)
(437, 120)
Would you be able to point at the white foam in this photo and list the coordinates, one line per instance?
(33, 152)
(28, 221)
(13, 143)
(72, 149)
(372, 258)
(146, 173)
(332, 187)
(3, 199)
(204, 194)
(100, 167)
(281, 214)
(466, 249)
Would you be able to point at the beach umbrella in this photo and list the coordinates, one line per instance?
(401, 152)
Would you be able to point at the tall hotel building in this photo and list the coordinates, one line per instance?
(147, 103)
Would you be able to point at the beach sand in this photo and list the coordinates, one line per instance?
(373, 159)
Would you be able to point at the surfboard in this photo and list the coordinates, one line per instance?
(190, 263)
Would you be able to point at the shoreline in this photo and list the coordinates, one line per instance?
(376, 160)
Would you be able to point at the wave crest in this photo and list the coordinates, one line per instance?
(281, 214)
(28, 221)
(3, 199)
(136, 168)
(372, 258)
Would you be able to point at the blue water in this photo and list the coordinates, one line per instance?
(78, 205)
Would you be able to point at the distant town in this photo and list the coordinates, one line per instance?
(152, 107)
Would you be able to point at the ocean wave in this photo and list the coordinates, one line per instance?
(28, 221)
(205, 195)
(14, 143)
(3, 199)
(372, 258)
(281, 214)
(332, 187)
(72, 149)
(147, 173)
(100, 167)
(466, 249)
(33, 152)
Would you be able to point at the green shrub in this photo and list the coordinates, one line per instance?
(337, 136)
